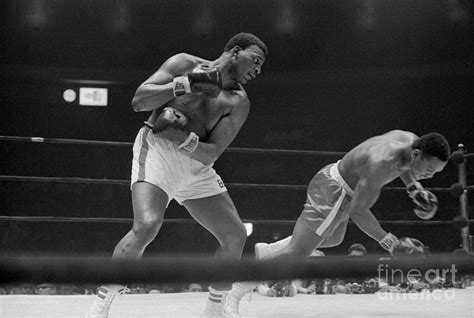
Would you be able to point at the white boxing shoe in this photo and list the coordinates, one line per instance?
(103, 300)
(262, 250)
(231, 300)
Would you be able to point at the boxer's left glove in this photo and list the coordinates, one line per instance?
(426, 201)
(207, 81)
(191, 143)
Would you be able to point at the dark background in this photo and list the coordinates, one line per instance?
(338, 72)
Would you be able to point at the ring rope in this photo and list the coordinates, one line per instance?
(456, 155)
(469, 155)
(68, 219)
(166, 269)
(455, 186)
(127, 182)
(129, 144)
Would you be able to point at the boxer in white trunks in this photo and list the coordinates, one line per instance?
(198, 107)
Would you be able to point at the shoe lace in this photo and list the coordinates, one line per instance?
(250, 292)
(231, 304)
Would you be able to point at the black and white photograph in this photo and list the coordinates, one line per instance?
(237, 158)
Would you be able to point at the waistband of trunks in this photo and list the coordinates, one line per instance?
(334, 173)
(147, 124)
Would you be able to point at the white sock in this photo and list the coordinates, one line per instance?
(214, 303)
(215, 296)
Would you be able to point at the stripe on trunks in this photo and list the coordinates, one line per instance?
(143, 154)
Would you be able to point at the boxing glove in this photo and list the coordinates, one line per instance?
(409, 246)
(426, 201)
(170, 117)
(173, 125)
(207, 81)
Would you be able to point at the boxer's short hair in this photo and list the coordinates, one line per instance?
(244, 40)
(433, 145)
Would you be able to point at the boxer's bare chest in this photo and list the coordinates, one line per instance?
(203, 113)
(371, 160)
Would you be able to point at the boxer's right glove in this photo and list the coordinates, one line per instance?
(409, 246)
(173, 125)
(207, 81)
(170, 117)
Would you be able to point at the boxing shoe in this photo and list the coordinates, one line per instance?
(103, 300)
(230, 307)
(231, 300)
(262, 250)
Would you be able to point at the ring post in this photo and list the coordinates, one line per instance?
(463, 199)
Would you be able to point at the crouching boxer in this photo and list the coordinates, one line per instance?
(349, 188)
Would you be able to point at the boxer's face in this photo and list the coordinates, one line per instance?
(248, 64)
(424, 167)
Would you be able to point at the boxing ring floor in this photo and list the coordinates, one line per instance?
(444, 303)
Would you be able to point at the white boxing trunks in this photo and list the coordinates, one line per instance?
(159, 162)
(327, 197)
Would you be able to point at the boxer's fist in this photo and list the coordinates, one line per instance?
(409, 246)
(171, 124)
(426, 201)
(171, 118)
(207, 81)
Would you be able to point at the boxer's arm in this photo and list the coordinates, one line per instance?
(157, 90)
(407, 178)
(369, 224)
(224, 132)
(366, 193)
